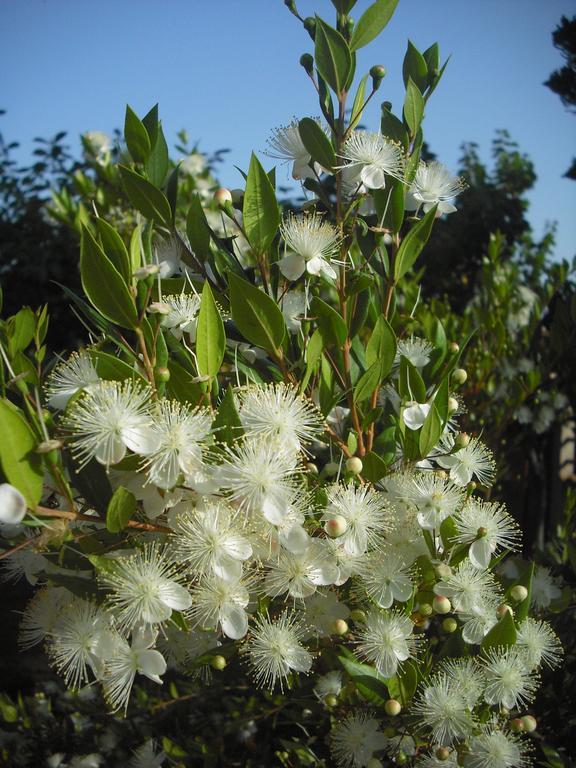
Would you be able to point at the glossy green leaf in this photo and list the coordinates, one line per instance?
(181, 385)
(432, 58)
(332, 56)
(227, 426)
(112, 368)
(120, 509)
(368, 382)
(372, 22)
(389, 204)
(21, 330)
(411, 385)
(103, 284)
(197, 229)
(256, 315)
(210, 336)
(136, 137)
(21, 467)
(151, 123)
(393, 128)
(413, 107)
(260, 208)
(382, 346)
(430, 431)
(331, 324)
(503, 633)
(413, 244)
(415, 67)
(114, 248)
(317, 143)
(373, 467)
(150, 201)
(358, 104)
(135, 249)
(158, 160)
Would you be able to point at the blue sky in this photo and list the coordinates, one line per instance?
(227, 71)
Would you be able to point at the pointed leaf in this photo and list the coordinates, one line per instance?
(260, 208)
(197, 229)
(372, 22)
(256, 315)
(136, 137)
(21, 467)
(120, 509)
(149, 200)
(114, 248)
(158, 160)
(317, 143)
(503, 633)
(413, 107)
(210, 336)
(413, 244)
(332, 56)
(227, 426)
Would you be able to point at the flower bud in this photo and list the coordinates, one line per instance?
(222, 196)
(291, 5)
(377, 73)
(218, 662)
(530, 723)
(425, 609)
(517, 725)
(503, 609)
(146, 271)
(519, 593)
(331, 700)
(442, 753)
(331, 468)
(336, 526)
(462, 440)
(454, 347)
(307, 61)
(449, 625)
(312, 468)
(401, 758)
(354, 465)
(442, 570)
(48, 445)
(459, 375)
(358, 615)
(392, 707)
(159, 308)
(310, 26)
(452, 404)
(441, 604)
(162, 374)
(339, 627)
(12, 504)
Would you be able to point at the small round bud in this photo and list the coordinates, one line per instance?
(222, 196)
(358, 615)
(218, 662)
(374, 763)
(442, 753)
(425, 609)
(354, 465)
(307, 61)
(503, 609)
(530, 723)
(442, 570)
(519, 593)
(336, 526)
(401, 758)
(441, 473)
(517, 725)
(377, 73)
(454, 347)
(48, 445)
(452, 404)
(306, 713)
(312, 468)
(441, 604)
(146, 271)
(339, 627)
(162, 375)
(459, 375)
(392, 707)
(471, 487)
(331, 468)
(449, 625)
(462, 440)
(310, 26)
(481, 532)
(331, 700)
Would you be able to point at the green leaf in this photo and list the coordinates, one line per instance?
(136, 249)
(344, 6)
(136, 137)
(413, 107)
(103, 284)
(149, 200)
(317, 143)
(210, 336)
(91, 481)
(370, 684)
(256, 315)
(448, 532)
(382, 346)
(260, 208)
(330, 323)
(431, 431)
(357, 106)
(411, 385)
(112, 368)
(158, 161)
(227, 426)
(503, 633)
(413, 244)
(393, 128)
(181, 386)
(368, 382)
(373, 467)
(21, 330)
(114, 248)
(389, 203)
(432, 58)
(197, 229)
(21, 467)
(441, 400)
(120, 509)
(372, 22)
(415, 67)
(151, 123)
(332, 56)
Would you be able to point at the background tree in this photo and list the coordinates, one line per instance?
(563, 81)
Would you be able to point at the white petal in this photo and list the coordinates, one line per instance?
(227, 569)
(142, 440)
(373, 177)
(238, 548)
(480, 553)
(301, 169)
(175, 596)
(292, 266)
(295, 540)
(234, 621)
(402, 590)
(415, 415)
(12, 504)
(444, 207)
(110, 451)
(328, 270)
(460, 475)
(151, 664)
(273, 510)
(299, 659)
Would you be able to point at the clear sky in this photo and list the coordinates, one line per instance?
(227, 71)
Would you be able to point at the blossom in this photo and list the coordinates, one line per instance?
(540, 643)
(12, 505)
(544, 588)
(414, 414)
(475, 459)
(146, 756)
(386, 639)
(486, 527)
(143, 588)
(434, 498)
(509, 681)
(293, 306)
(467, 676)
(443, 709)
(300, 574)
(354, 740)
(275, 650)
(68, 378)
(415, 350)
(109, 419)
(322, 610)
(467, 587)
(494, 749)
(217, 601)
(365, 510)
(312, 243)
(41, 614)
(329, 684)
(434, 184)
(286, 144)
(183, 314)
(482, 616)
(385, 577)
(371, 157)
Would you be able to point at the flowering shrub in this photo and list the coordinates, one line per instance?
(255, 466)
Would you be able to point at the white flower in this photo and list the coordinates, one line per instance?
(329, 684)
(167, 255)
(300, 574)
(443, 709)
(219, 602)
(414, 414)
(144, 588)
(433, 184)
(147, 757)
(12, 505)
(275, 650)
(183, 315)
(322, 610)
(386, 639)
(540, 643)
(178, 436)
(544, 588)
(467, 676)
(286, 144)
(210, 540)
(109, 419)
(385, 577)
(69, 377)
(467, 587)
(486, 527)
(277, 413)
(365, 510)
(193, 164)
(509, 681)
(415, 350)
(293, 306)
(97, 144)
(312, 243)
(495, 749)
(479, 620)
(41, 614)
(370, 158)
(475, 459)
(354, 740)
(435, 499)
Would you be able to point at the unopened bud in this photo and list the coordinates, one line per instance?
(530, 723)
(148, 269)
(517, 725)
(392, 707)
(441, 473)
(354, 465)
(442, 753)
(449, 625)
(336, 526)
(312, 468)
(377, 74)
(307, 61)
(503, 609)
(519, 593)
(339, 627)
(454, 347)
(401, 758)
(162, 374)
(425, 609)
(159, 308)
(48, 445)
(452, 404)
(310, 26)
(459, 375)
(291, 5)
(331, 468)
(462, 440)
(358, 615)
(331, 700)
(218, 663)
(441, 604)
(442, 570)
(222, 196)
